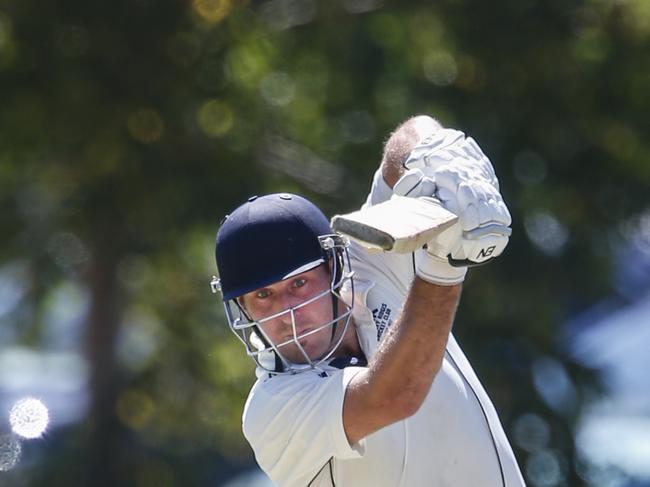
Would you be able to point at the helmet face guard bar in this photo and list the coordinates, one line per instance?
(259, 346)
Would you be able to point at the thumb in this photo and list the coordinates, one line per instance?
(414, 183)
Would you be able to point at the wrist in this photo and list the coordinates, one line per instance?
(437, 270)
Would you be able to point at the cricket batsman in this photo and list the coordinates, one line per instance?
(360, 381)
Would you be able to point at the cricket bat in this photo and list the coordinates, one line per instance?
(400, 225)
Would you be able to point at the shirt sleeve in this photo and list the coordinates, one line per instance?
(294, 424)
(382, 281)
(379, 190)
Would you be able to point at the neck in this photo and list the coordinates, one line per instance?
(350, 346)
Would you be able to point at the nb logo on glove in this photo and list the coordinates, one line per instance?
(486, 252)
(479, 246)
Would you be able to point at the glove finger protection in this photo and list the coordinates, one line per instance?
(498, 212)
(503, 210)
(430, 151)
(483, 223)
(467, 207)
(484, 220)
(448, 146)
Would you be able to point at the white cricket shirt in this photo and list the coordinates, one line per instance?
(295, 427)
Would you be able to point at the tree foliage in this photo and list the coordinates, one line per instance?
(128, 129)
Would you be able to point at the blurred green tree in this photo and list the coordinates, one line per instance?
(129, 128)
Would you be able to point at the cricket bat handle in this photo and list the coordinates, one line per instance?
(403, 225)
(399, 225)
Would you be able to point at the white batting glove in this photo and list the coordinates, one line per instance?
(454, 170)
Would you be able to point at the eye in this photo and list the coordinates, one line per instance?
(262, 294)
(300, 282)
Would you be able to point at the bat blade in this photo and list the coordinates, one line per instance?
(399, 225)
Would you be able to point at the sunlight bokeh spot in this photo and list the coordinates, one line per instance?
(277, 88)
(215, 118)
(10, 451)
(145, 125)
(29, 418)
(134, 408)
(7, 45)
(546, 468)
(531, 432)
(636, 19)
(440, 68)
(212, 11)
(529, 168)
(546, 232)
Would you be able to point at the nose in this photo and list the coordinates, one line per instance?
(288, 302)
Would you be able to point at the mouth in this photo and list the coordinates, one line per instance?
(299, 335)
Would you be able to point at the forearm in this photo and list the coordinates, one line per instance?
(411, 354)
(400, 374)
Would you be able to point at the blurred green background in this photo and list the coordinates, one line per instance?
(129, 128)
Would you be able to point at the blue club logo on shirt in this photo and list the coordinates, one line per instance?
(381, 317)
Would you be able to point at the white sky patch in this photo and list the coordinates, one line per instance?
(613, 433)
(623, 441)
(554, 385)
(29, 418)
(618, 344)
(13, 286)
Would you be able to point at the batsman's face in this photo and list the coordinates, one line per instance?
(284, 296)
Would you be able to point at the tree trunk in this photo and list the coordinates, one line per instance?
(102, 329)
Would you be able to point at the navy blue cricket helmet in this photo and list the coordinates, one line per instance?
(266, 240)
(269, 239)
